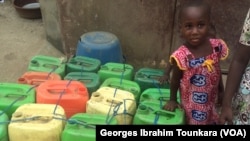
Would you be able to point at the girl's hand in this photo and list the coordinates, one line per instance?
(164, 79)
(171, 105)
(226, 116)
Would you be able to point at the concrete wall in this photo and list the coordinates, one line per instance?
(146, 28)
(51, 18)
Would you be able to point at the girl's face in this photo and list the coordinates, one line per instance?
(194, 24)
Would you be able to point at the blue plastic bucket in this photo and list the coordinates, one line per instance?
(101, 45)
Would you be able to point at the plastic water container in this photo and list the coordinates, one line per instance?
(114, 103)
(4, 126)
(123, 84)
(13, 95)
(71, 95)
(149, 113)
(81, 127)
(83, 64)
(36, 78)
(90, 79)
(157, 95)
(116, 70)
(101, 45)
(148, 78)
(42, 63)
(37, 122)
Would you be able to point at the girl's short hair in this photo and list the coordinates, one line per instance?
(195, 3)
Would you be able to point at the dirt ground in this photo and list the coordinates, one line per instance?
(20, 40)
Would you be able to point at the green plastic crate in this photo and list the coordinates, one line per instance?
(42, 63)
(81, 126)
(90, 79)
(157, 95)
(116, 70)
(13, 95)
(150, 113)
(83, 64)
(148, 78)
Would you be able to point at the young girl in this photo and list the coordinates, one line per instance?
(196, 66)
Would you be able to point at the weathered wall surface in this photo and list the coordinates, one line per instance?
(51, 20)
(147, 29)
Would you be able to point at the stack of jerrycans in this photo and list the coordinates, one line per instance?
(150, 109)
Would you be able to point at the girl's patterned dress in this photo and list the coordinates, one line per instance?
(241, 101)
(200, 81)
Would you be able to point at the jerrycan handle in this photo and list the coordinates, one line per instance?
(58, 90)
(68, 90)
(114, 101)
(15, 96)
(115, 85)
(141, 74)
(165, 112)
(104, 67)
(36, 81)
(164, 98)
(85, 81)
